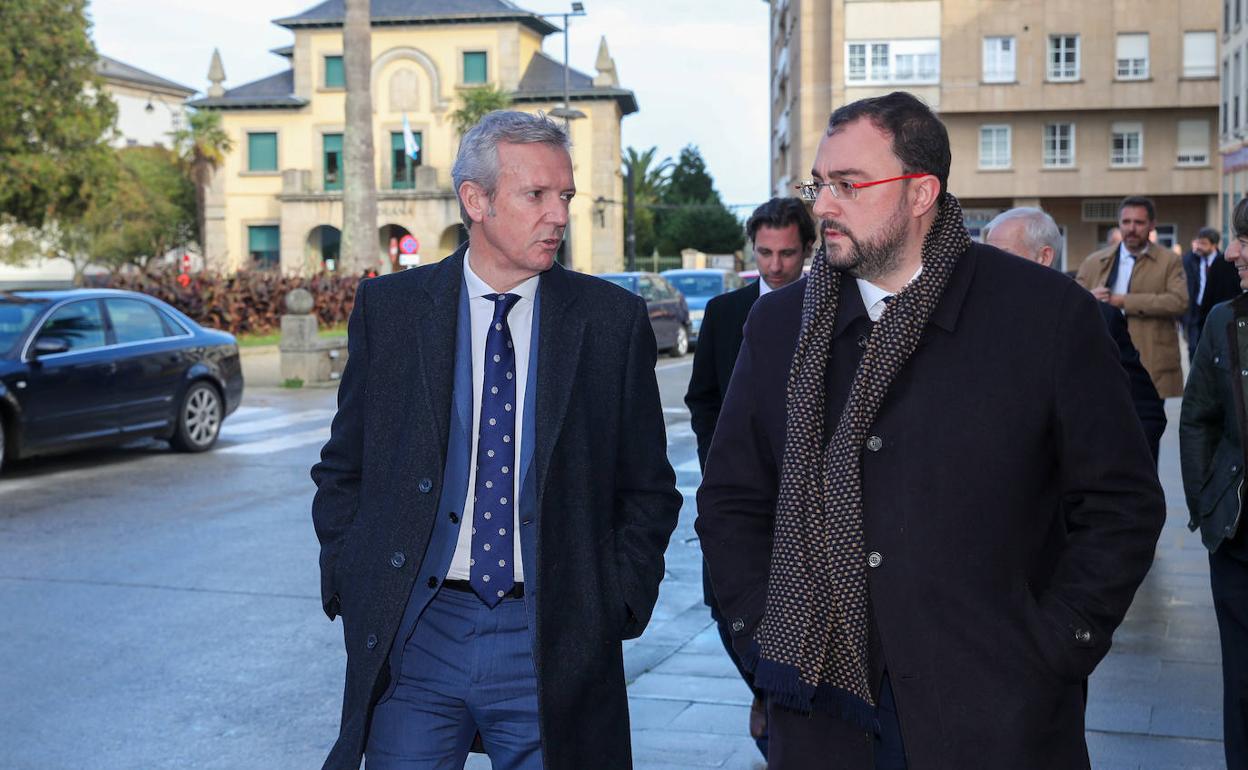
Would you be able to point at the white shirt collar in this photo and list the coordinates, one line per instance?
(479, 288)
(763, 288)
(1125, 253)
(873, 296)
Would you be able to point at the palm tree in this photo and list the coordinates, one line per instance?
(478, 102)
(359, 181)
(650, 182)
(202, 146)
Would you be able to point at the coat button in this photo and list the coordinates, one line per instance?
(454, 517)
(432, 582)
(1243, 372)
(425, 485)
(874, 559)
(1241, 324)
(371, 641)
(397, 559)
(738, 625)
(1083, 635)
(875, 443)
(1234, 469)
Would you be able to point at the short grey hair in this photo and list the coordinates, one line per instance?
(477, 160)
(1039, 229)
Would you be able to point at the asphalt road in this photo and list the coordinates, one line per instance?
(162, 610)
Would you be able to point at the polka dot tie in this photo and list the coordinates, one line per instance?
(490, 570)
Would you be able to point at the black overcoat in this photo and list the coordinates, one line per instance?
(1010, 500)
(606, 495)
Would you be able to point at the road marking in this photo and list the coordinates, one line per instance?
(280, 444)
(230, 430)
(251, 411)
(675, 364)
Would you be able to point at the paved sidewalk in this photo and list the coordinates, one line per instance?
(1154, 701)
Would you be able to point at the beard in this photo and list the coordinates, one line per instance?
(867, 259)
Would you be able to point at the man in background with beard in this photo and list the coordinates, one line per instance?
(882, 510)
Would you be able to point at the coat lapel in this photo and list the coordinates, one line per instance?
(559, 353)
(434, 340)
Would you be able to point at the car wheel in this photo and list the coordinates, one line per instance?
(682, 343)
(199, 419)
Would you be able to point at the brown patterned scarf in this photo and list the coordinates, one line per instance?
(812, 641)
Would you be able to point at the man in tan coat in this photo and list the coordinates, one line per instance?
(1145, 282)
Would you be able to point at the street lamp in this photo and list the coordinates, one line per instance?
(565, 110)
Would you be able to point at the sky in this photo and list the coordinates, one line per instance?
(699, 68)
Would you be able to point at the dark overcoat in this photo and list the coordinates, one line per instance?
(1010, 503)
(606, 501)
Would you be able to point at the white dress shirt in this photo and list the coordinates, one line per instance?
(520, 323)
(875, 299)
(1126, 263)
(1205, 263)
(763, 287)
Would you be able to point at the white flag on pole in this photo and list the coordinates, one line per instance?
(409, 140)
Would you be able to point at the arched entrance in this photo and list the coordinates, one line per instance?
(322, 249)
(452, 238)
(388, 238)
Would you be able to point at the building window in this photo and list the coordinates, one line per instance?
(1200, 52)
(1226, 96)
(475, 70)
(403, 166)
(1132, 58)
(1063, 57)
(1126, 144)
(1236, 81)
(894, 61)
(264, 244)
(1167, 236)
(1059, 145)
(1193, 143)
(857, 65)
(262, 151)
(994, 146)
(334, 77)
(331, 157)
(998, 64)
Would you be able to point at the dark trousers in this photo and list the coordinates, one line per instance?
(1228, 577)
(804, 741)
(466, 669)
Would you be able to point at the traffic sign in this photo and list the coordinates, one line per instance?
(409, 245)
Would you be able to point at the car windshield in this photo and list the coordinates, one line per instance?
(698, 285)
(16, 316)
(624, 281)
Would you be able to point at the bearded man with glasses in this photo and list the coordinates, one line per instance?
(928, 501)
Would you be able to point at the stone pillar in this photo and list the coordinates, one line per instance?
(305, 357)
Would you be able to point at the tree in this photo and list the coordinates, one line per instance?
(151, 210)
(359, 181)
(55, 117)
(478, 102)
(203, 145)
(693, 215)
(650, 182)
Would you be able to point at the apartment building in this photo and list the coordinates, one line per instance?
(1061, 104)
(1233, 118)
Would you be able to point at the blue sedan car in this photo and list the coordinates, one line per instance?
(83, 368)
(699, 287)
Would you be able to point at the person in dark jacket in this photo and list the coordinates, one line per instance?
(1212, 430)
(1032, 234)
(928, 501)
(783, 235)
(494, 500)
(1210, 279)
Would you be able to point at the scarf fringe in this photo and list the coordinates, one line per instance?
(785, 688)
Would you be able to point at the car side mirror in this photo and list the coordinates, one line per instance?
(46, 346)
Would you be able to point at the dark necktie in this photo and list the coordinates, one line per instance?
(490, 571)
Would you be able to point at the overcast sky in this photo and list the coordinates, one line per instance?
(699, 68)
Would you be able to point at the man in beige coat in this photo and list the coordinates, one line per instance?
(1145, 282)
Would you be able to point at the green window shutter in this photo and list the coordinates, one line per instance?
(262, 152)
(402, 168)
(332, 161)
(334, 77)
(474, 67)
(264, 238)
